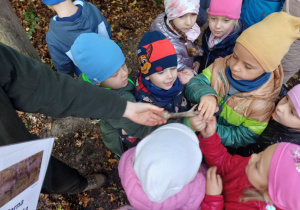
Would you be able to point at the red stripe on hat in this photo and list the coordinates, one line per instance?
(161, 49)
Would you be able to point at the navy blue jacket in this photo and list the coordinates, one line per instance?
(62, 34)
(222, 49)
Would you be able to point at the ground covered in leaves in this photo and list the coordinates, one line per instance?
(78, 141)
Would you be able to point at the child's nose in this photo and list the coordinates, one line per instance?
(169, 74)
(253, 157)
(235, 68)
(124, 73)
(280, 107)
(218, 24)
(188, 20)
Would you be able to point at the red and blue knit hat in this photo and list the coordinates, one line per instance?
(155, 53)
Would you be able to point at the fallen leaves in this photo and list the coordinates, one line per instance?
(84, 199)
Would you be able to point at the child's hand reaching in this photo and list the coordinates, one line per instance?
(214, 184)
(196, 66)
(197, 123)
(185, 76)
(208, 106)
(210, 128)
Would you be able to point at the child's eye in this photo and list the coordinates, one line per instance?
(115, 74)
(248, 67)
(160, 72)
(226, 20)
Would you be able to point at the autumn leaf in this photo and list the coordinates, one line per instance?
(112, 161)
(84, 199)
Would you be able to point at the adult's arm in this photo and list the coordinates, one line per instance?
(33, 87)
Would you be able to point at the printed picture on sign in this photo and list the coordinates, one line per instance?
(16, 178)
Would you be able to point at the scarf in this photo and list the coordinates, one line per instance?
(247, 85)
(213, 40)
(191, 35)
(171, 100)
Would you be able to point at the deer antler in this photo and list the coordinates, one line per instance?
(190, 113)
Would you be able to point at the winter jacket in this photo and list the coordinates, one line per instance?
(245, 115)
(188, 198)
(274, 133)
(112, 130)
(183, 59)
(30, 86)
(234, 177)
(224, 48)
(202, 14)
(62, 34)
(255, 11)
(291, 61)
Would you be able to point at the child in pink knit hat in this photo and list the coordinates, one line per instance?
(224, 28)
(262, 181)
(178, 24)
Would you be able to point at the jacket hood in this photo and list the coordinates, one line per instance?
(87, 23)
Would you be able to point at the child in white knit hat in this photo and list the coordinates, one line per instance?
(162, 171)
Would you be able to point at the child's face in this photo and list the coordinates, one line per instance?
(186, 22)
(220, 25)
(118, 80)
(164, 79)
(243, 65)
(286, 114)
(258, 167)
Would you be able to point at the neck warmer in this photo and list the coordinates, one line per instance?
(170, 99)
(247, 85)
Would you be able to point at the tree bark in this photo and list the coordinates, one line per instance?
(12, 33)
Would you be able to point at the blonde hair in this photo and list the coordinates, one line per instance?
(252, 194)
(236, 24)
(192, 51)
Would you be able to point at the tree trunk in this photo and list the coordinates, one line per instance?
(12, 33)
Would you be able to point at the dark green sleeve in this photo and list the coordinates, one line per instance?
(137, 130)
(235, 136)
(199, 86)
(110, 132)
(33, 87)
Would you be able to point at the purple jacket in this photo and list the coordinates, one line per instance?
(183, 59)
(189, 198)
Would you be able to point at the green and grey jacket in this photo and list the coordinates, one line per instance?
(245, 115)
(110, 128)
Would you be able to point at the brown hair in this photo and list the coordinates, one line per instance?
(192, 52)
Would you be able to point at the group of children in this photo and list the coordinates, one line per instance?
(240, 77)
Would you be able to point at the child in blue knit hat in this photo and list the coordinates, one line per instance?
(72, 19)
(103, 63)
(157, 80)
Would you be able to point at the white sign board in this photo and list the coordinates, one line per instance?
(22, 171)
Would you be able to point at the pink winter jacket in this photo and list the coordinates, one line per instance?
(189, 198)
